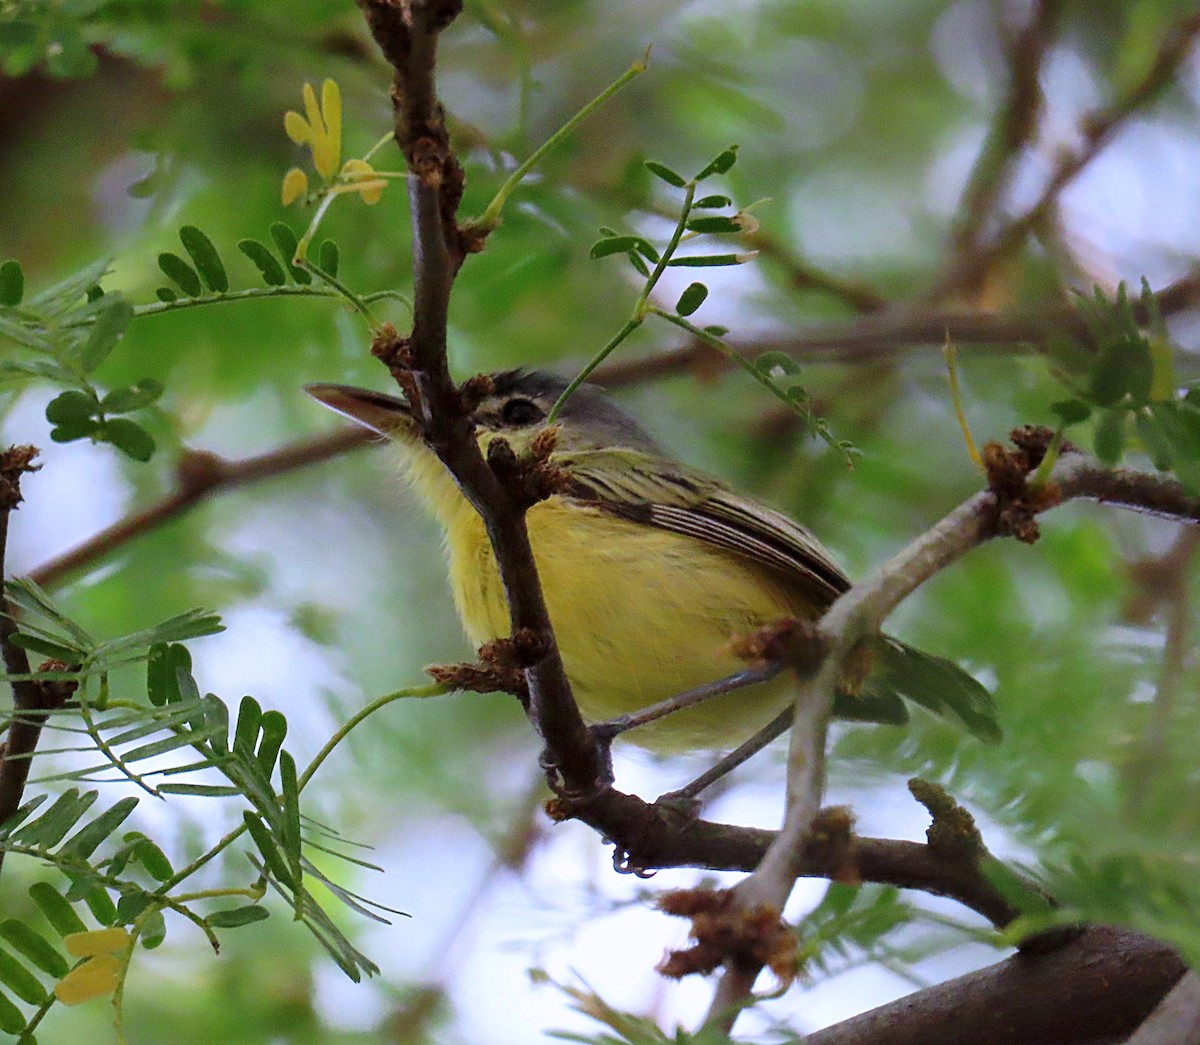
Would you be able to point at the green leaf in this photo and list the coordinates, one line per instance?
(274, 729)
(12, 283)
(1124, 368)
(58, 912)
(266, 846)
(639, 264)
(290, 795)
(660, 170)
(109, 328)
(130, 905)
(20, 980)
(767, 363)
(133, 397)
(68, 433)
(46, 368)
(179, 271)
(715, 226)
(1109, 440)
(266, 262)
(620, 244)
(21, 815)
(154, 929)
(129, 437)
(286, 242)
(328, 257)
(100, 904)
(720, 164)
(52, 826)
(11, 1019)
(84, 842)
(1072, 411)
(162, 663)
(216, 723)
(711, 260)
(691, 299)
(205, 257)
(712, 202)
(154, 860)
(64, 295)
(166, 294)
(200, 790)
(46, 648)
(245, 734)
(1156, 441)
(234, 917)
(71, 406)
(34, 946)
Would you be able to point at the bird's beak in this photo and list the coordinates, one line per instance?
(381, 413)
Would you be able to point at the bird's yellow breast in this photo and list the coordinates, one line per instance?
(640, 613)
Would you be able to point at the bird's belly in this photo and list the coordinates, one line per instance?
(640, 614)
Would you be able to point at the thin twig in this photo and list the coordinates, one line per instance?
(1014, 127)
(1098, 129)
(199, 475)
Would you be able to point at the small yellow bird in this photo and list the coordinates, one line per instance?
(650, 571)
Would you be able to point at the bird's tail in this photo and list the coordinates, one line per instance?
(900, 673)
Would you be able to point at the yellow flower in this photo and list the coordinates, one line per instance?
(320, 128)
(97, 976)
(363, 180)
(295, 185)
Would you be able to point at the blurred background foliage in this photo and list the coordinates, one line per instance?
(858, 123)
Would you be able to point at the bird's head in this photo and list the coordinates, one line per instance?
(516, 408)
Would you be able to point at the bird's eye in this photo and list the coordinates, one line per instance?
(519, 412)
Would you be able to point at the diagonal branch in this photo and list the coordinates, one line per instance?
(1098, 129)
(1014, 127)
(198, 476)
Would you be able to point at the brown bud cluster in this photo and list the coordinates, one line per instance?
(727, 935)
(1018, 504)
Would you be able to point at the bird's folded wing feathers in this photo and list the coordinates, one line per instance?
(635, 486)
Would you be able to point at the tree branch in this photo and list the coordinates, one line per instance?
(199, 475)
(1098, 128)
(1014, 127)
(1095, 989)
(32, 700)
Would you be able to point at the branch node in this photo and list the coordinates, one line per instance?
(724, 934)
(15, 462)
(796, 642)
(953, 833)
(200, 471)
(1017, 504)
(830, 843)
(500, 667)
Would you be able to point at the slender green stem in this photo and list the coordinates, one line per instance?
(317, 218)
(1049, 460)
(186, 872)
(685, 212)
(156, 308)
(252, 892)
(344, 291)
(118, 998)
(630, 326)
(434, 689)
(491, 216)
(641, 307)
(390, 136)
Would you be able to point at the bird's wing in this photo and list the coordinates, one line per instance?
(633, 485)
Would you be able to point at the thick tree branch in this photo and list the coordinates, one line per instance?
(32, 700)
(1094, 990)
(408, 35)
